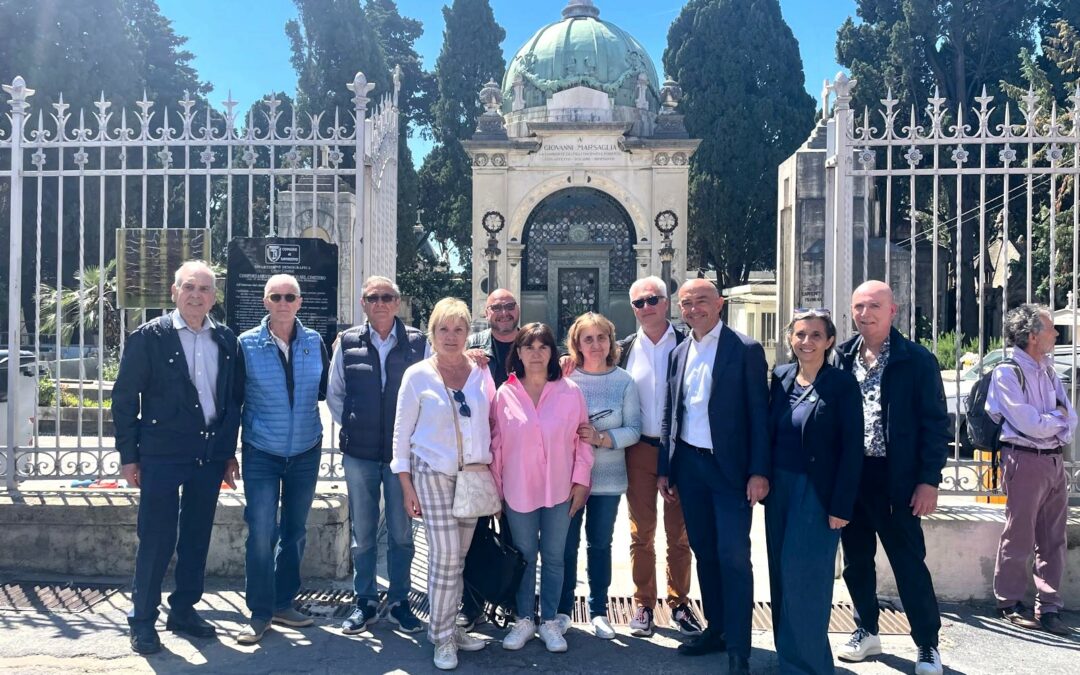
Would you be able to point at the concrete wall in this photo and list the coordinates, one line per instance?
(94, 534)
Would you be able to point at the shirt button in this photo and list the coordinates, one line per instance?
(153, 421)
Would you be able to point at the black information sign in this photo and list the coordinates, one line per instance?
(313, 262)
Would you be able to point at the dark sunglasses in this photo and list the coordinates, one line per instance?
(384, 298)
(505, 307)
(459, 398)
(287, 297)
(814, 311)
(650, 301)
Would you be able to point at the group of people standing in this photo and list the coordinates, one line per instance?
(845, 446)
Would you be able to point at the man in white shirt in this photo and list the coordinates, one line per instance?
(645, 354)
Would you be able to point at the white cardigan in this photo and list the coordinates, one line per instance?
(424, 423)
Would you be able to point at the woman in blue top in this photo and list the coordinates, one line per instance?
(816, 429)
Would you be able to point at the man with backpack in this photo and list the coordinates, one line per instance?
(1037, 421)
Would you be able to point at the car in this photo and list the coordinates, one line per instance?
(958, 388)
(27, 399)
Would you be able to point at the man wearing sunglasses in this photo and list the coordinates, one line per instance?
(282, 373)
(644, 354)
(365, 375)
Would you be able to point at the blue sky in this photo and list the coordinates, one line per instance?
(241, 44)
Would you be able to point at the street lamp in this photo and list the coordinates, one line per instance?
(666, 221)
(493, 223)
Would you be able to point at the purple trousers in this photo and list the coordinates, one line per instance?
(1035, 512)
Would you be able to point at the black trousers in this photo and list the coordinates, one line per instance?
(718, 520)
(176, 513)
(902, 537)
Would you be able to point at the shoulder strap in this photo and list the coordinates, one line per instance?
(457, 428)
(1019, 371)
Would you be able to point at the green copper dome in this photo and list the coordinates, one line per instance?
(581, 50)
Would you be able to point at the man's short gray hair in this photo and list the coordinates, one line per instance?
(1022, 322)
(379, 281)
(281, 279)
(654, 281)
(192, 265)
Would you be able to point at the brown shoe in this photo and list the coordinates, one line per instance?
(1052, 623)
(1018, 615)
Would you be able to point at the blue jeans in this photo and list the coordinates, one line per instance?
(599, 530)
(542, 530)
(363, 478)
(275, 546)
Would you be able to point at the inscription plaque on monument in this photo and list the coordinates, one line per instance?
(565, 149)
(147, 259)
(253, 260)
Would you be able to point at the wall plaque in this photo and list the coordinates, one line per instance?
(147, 259)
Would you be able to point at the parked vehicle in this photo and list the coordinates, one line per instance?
(27, 400)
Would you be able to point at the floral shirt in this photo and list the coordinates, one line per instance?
(869, 378)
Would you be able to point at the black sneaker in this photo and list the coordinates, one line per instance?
(1052, 623)
(685, 620)
(401, 616)
(361, 618)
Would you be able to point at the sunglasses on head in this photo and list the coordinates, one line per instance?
(384, 298)
(287, 297)
(650, 301)
(504, 307)
(812, 311)
(459, 398)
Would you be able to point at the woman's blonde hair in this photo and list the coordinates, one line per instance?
(447, 309)
(591, 320)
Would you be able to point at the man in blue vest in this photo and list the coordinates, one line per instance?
(365, 374)
(282, 375)
(176, 415)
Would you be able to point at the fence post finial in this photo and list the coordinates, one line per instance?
(360, 88)
(19, 93)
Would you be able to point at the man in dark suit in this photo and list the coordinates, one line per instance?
(176, 412)
(715, 450)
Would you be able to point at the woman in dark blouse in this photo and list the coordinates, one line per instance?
(816, 429)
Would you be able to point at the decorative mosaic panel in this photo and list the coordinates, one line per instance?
(578, 216)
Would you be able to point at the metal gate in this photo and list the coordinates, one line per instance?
(987, 194)
(72, 178)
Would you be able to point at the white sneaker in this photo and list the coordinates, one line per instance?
(602, 628)
(928, 662)
(523, 631)
(466, 642)
(564, 622)
(859, 646)
(446, 655)
(552, 635)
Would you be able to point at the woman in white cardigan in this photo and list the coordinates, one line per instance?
(442, 422)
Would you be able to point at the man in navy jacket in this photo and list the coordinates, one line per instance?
(176, 417)
(715, 448)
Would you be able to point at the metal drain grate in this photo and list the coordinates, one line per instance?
(42, 596)
(338, 604)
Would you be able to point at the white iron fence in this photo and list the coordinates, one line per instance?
(68, 180)
(966, 213)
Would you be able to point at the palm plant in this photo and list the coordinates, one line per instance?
(91, 285)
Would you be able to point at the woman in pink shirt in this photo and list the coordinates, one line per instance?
(542, 469)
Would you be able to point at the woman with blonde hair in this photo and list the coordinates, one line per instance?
(614, 424)
(441, 425)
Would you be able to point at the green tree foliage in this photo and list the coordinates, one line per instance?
(470, 56)
(739, 65)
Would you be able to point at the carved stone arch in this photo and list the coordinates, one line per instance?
(520, 216)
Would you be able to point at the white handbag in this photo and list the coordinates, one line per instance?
(475, 495)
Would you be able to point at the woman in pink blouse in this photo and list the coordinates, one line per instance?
(542, 469)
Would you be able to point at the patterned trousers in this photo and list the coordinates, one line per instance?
(448, 542)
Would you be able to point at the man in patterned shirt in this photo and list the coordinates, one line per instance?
(906, 445)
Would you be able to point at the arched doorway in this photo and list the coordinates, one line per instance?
(578, 252)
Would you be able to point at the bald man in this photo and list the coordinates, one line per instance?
(714, 449)
(905, 445)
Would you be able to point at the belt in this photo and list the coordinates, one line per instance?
(651, 440)
(700, 451)
(1034, 451)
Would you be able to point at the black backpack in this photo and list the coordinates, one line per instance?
(983, 432)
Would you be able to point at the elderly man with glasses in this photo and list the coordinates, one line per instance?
(282, 374)
(365, 374)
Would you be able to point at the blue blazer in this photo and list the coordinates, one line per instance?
(738, 409)
(832, 434)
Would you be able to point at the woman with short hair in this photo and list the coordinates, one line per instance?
(441, 423)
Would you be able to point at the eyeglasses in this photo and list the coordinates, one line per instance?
(504, 307)
(650, 301)
(459, 398)
(599, 415)
(384, 298)
(822, 312)
(287, 297)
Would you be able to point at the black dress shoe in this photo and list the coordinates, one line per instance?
(706, 643)
(1052, 623)
(737, 665)
(190, 623)
(144, 640)
(1019, 616)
